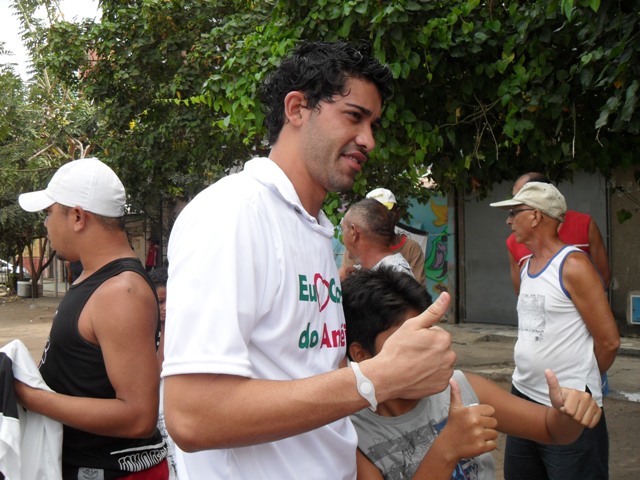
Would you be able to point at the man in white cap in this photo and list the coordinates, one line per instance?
(401, 243)
(100, 359)
(565, 324)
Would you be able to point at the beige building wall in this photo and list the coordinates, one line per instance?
(624, 247)
(135, 227)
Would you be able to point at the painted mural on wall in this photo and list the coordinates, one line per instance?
(434, 219)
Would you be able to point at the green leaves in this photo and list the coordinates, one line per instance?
(631, 99)
(623, 215)
(484, 90)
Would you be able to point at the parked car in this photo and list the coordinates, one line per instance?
(7, 268)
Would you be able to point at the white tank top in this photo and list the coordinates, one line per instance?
(552, 334)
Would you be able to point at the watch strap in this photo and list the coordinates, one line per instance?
(365, 386)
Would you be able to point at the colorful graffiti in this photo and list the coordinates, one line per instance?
(437, 261)
(433, 218)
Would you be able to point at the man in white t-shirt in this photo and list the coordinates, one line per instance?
(255, 329)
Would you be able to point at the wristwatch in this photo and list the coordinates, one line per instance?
(365, 386)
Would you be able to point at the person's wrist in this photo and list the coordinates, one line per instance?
(444, 449)
(365, 386)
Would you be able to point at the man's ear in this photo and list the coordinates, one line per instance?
(79, 218)
(537, 218)
(295, 106)
(354, 231)
(358, 353)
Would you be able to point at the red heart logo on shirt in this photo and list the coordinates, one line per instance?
(322, 291)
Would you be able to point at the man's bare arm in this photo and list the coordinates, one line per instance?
(416, 254)
(587, 293)
(122, 314)
(205, 411)
(598, 253)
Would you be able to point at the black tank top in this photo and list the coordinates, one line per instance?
(72, 366)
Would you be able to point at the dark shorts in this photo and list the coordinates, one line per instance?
(585, 459)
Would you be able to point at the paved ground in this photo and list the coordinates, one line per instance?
(484, 349)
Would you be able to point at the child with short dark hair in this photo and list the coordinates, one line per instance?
(448, 435)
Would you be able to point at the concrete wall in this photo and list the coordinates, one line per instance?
(625, 246)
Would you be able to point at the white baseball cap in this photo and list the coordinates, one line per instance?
(542, 196)
(384, 196)
(87, 183)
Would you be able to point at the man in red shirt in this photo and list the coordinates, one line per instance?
(152, 255)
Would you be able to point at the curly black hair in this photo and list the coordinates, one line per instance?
(159, 276)
(376, 300)
(320, 70)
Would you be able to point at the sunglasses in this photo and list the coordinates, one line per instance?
(513, 213)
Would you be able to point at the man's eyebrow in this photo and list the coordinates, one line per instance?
(364, 110)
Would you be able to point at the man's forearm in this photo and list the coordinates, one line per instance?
(111, 417)
(205, 411)
(606, 355)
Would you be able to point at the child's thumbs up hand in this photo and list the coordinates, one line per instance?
(470, 429)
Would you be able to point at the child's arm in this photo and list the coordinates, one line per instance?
(366, 469)
(469, 432)
(573, 410)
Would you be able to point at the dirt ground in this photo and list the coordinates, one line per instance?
(30, 320)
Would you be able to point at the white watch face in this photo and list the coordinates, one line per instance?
(365, 388)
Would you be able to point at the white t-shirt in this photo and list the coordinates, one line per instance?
(254, 291)
(30, 443)
(552, 334)
(397, 262)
